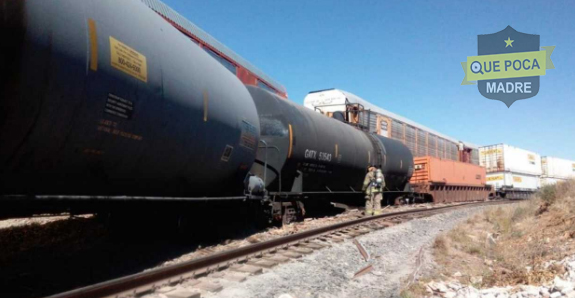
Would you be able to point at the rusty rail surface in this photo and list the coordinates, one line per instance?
(139, 283)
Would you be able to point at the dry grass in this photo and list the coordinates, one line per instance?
(417, 289)
(440, 245)
(509, 244)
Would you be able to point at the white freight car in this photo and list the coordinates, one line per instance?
(556, 169)
(513, 172)
(550, 181)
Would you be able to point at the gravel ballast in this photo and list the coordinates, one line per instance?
(396, 253)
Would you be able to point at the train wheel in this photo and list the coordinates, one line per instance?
(292, 212)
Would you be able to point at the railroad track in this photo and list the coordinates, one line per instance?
(251, 259)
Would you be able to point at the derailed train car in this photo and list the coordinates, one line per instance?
(92, 105)
(308, 154)
(313, 147)
(94, 110)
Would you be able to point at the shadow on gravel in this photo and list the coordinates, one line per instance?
(40, 260)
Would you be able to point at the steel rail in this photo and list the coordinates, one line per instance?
(145, 281)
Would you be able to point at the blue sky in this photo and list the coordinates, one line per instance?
(405, 56)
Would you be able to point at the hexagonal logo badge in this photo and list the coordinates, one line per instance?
(508, 65)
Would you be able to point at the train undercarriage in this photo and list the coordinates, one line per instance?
(273, 208)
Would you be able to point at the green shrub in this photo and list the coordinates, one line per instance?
(548, 193)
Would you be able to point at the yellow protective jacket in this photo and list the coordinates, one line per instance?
(369, 184)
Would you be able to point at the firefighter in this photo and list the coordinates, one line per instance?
(373, 185)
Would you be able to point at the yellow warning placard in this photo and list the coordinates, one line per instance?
(517, 179)
(128, 60)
